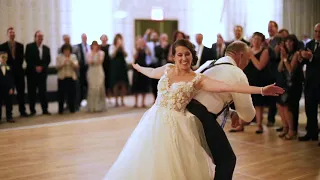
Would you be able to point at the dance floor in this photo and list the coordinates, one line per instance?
(84, 145)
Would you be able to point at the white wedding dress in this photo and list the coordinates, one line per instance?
(167, 143)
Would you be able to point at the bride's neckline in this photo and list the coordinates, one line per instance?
(170, 84)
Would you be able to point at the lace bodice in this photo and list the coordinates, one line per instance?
(175, 96)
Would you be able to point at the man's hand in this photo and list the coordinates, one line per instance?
(11, 91)
(39, 69)
(235, 120)
(306, 54)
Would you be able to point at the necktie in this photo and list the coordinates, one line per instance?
(12, 48)
(316, 46)
(86, 48)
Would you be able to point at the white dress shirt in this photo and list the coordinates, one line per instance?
(230, 74)
(152, 57)
(3, 69)
(40, 48)
(220, 50)
(199, 54)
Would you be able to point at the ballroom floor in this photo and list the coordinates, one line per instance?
(83, 146)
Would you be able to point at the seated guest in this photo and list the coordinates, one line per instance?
(67, 66)
(7, 86)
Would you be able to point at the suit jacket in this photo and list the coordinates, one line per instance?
(215, 53)
(17, 62)
(161, 54)
(313, 67)
(206, 55)
(33, 59)
(6, 81)
(81, 56)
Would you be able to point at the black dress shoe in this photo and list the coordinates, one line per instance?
(280, 129)
(308, 138)
(10, 120)
(33, 113)
(46, 113)
(24, 114)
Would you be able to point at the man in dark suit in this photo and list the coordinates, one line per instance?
(238, 35)
(38, 59)
(15, 53)
(81, 51)
(204, 54)
(7, 86)
(312, 85)
(219, 48)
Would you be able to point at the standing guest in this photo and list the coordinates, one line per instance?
(38, 59)
(7, 86)
(96, 92)
(15, 53)
(118, 69)
(106, 62)
(140, 82)
(219, 48)
(66, 40)
(81, 50)
(290, 78)
(67, 65)
(311, 56)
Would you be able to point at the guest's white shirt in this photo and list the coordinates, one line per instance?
(230, 74)
(40, 48)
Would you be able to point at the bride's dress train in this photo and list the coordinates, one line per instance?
(166, 144)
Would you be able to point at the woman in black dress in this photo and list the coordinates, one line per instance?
(118, 76)
(106, 63)
(140, 82)
(290, 77)
(258, 74)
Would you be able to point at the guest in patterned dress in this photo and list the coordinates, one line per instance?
(95, 77)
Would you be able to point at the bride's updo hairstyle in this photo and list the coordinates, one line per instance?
(185, 43)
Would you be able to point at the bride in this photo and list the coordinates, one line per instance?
(164, 145)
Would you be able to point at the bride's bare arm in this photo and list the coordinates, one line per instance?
(209, 84)
(154, 73)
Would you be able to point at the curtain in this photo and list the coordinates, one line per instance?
(252, 15)
(28, 16)
(300, 16)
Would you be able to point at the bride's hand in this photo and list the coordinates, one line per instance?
(272, 90)
(135, 66)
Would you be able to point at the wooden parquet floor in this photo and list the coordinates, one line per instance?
(83, 146)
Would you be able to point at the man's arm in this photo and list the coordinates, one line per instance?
(243, 102)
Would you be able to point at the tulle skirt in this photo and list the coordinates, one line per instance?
(166, 145)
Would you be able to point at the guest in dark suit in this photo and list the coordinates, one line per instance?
(238, 35)
(312, 85)
(81, 51)
(38, 59)
(15, 53)
(219, 48)
(7, 86)
(204, 54)
(161, 53)
(274, 43)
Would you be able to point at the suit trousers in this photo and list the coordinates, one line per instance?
(221, 150)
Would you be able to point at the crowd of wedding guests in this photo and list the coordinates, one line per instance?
(96, 71)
